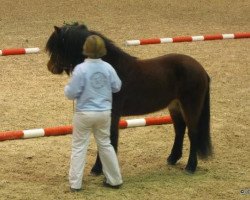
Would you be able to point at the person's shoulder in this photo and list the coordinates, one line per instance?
(79, 68)
(109, 66)
(104, 62)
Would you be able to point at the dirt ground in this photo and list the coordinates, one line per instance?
(31, 97)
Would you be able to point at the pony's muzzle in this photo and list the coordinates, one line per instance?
(53, 69)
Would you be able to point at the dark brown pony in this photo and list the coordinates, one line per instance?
(175, 81)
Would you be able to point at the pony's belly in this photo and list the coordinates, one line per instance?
(145, 106)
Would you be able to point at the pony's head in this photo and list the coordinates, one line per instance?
(64, 47)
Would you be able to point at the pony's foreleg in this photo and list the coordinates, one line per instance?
(114, 132)
(179, 127)
(97, 168)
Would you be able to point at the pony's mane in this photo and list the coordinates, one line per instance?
(68, 41)
(115, 55)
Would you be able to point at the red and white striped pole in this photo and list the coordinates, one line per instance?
(63, 130)
(187, 39)
(18, 51)
(148, 121)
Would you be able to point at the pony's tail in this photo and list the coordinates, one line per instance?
(204, 140)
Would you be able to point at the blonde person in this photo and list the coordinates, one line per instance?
(92, 85)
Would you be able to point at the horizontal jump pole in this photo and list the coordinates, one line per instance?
(63, 130)
(18, 51)
(187, 39)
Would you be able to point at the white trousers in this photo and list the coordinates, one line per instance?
(99, 123)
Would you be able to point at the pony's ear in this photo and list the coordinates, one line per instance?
(84, 26)
(57, 29)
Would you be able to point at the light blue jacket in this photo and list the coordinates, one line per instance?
(92, 84)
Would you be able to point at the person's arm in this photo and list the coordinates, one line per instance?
(75, 86)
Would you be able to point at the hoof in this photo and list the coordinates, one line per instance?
(96, 170)
(189, 171)
(171, 162)
(173, 158)
(93, 173)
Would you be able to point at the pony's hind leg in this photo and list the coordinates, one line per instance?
(179, 127)
(192, 110)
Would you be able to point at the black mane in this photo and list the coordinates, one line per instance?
(67, 43)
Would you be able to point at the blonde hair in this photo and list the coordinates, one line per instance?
(94, 47)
